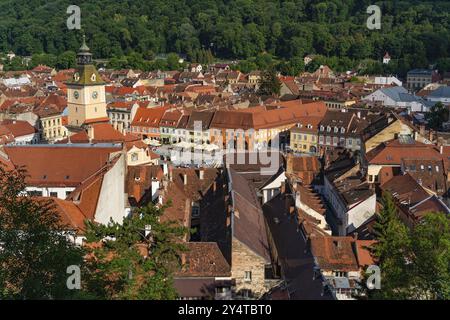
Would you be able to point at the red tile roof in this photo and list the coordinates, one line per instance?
(59, 165)
(392, 153)
(18, 128)
(149, 117)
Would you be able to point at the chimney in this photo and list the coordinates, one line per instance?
(422, 130)
(441, 149)
(201, 174)
(283, 187)
(90, 133)
(185, 179)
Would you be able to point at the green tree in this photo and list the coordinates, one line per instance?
(391, 251)
(35, 252)
(430, 242)
(173, 61)
(414, 262)
(269, 84)
(136, 259)
(66, 60)
(437, 115)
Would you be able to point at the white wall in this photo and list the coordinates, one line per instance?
(27, 139)
(273, 189)
(46, 191)
(351, 217)
(361, 213)
(111, 202)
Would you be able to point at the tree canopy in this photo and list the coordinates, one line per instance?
(414, 263)
(136, 259)
(415, 33)
(35, 251)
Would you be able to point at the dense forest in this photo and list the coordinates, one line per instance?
(415, 33)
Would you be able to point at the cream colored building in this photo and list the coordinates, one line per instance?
(53, 128)
(86, 93)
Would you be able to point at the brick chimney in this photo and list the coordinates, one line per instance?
(185, 179)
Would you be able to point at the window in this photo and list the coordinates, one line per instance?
(248, 276)
(437, 168)
(336, 129)
(328, 140)
(54, 194)
(329, 129)
(134, 157)
(246, 293)
(340, 274)
(195, 212)
(35, 193)
(335, 141)
(350, 142)
(68, 193)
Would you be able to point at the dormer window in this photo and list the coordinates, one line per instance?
(329, 129)
(299, 125)
(322, 128)
(342, 130)
(93, 77)
(336, 129)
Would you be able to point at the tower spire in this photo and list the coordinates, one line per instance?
(84, 55)
(84, 47)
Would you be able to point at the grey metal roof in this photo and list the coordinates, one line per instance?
(441, 92)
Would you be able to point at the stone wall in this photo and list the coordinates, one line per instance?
(243, 259)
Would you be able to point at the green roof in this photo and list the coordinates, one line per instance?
(85, 73)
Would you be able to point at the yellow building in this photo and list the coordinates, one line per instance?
(304, 136)
(86, 93)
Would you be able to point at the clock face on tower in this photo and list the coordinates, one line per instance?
(76, 94)
(94, 95)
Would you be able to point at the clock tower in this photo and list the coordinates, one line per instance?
(86, 99)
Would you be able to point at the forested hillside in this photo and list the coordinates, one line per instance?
(415, 32)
